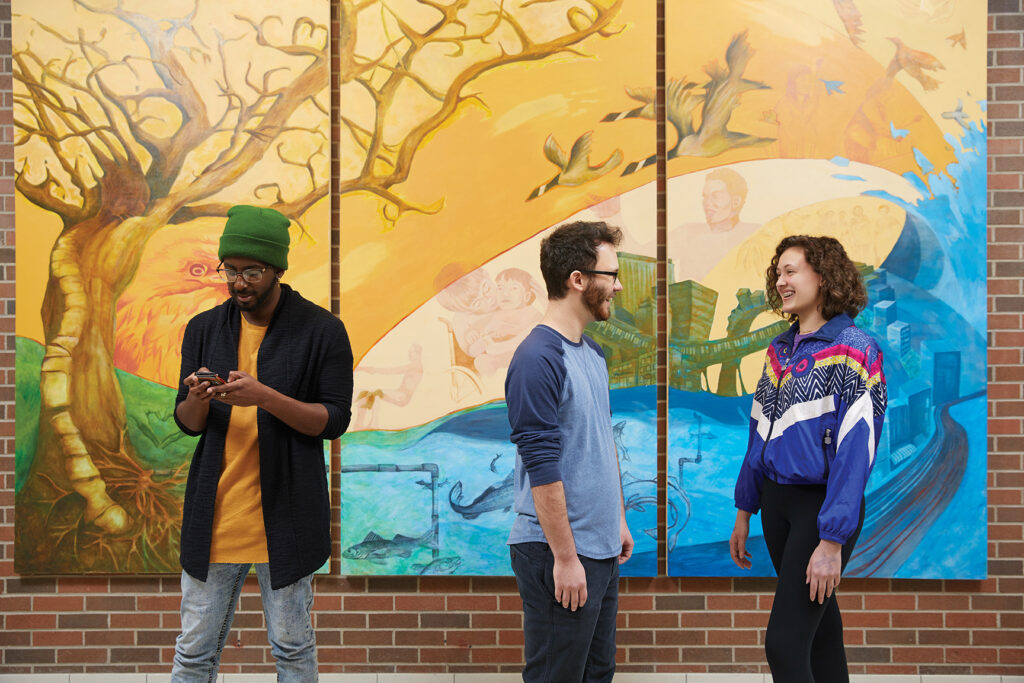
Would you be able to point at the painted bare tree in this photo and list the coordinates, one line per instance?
(109, 141)
(119, 164)
(427, 64)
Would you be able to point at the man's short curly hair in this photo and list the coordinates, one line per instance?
(842, 287)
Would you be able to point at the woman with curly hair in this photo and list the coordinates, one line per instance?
(814, 428)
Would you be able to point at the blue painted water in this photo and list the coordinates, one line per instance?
(937, 271)
(473, 456)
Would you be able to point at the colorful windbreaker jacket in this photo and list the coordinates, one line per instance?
(817, 419)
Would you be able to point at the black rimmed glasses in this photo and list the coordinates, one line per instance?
(251, 275)
(614, 274)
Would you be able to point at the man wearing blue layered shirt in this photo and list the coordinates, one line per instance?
(570, 535)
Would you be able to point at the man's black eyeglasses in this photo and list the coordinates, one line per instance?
(252, 274)
(613, 273)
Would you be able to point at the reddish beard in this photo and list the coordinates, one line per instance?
(594, 296)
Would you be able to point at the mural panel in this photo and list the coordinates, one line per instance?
(465, 138)
(136, 128)
(863, 120)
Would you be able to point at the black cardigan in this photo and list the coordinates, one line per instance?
(306, 355)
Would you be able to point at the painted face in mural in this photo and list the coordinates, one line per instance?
(251, 296)
(720, 207)
(601, 289)
(486, 298)
(511, 294)
(798, 284)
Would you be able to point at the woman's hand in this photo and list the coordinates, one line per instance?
(823, 570)
(738, 540)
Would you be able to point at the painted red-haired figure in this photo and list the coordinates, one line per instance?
(814, 429)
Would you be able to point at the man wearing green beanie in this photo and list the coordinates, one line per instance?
(265, 377)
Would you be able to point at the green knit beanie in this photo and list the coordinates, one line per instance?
(257, 233)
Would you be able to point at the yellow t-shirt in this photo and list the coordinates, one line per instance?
(238, 531)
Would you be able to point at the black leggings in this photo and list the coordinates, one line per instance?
(804, 642)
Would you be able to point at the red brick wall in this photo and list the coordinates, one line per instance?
(99, 624)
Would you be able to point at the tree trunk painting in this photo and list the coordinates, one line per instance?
(120, 144)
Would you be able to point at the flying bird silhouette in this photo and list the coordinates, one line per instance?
(958, 39)
(680, 102)
(645, 111)
(957, 114)
(574, 169)
(914, 63)
(833, 86)
(897, 133)
(721, 96)
(851, 18)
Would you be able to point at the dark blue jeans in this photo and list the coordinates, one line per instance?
(562, 646)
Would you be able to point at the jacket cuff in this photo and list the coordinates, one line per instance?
(834, 537)
(748, 506)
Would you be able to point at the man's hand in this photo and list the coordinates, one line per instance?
(570, 583)
(197, 390)
(627, 541)
(242, 389)
(823, 570)
(738, 540)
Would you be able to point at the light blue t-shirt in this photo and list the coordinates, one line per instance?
(560, 414)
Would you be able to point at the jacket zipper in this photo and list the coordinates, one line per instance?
(825, 443)
(771, 422)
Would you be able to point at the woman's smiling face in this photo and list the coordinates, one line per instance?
(798, 285)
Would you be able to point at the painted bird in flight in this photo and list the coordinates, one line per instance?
(897, 133)
(681, 100)
(833, 86)
(957, 114)
(914, 63)
(574, 169)
(645, 111)
(721, 96)
(958, 39)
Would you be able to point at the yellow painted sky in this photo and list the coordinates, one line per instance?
(167, 284)
(484, 163)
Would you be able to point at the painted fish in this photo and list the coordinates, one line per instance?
(442, 565)
(375, 547)
(495, 497)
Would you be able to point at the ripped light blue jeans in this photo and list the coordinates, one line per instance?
(208, 608)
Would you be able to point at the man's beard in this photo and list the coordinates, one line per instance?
(594, 297)
(258, 299)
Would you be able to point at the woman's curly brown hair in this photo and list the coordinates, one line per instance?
(842, 288)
